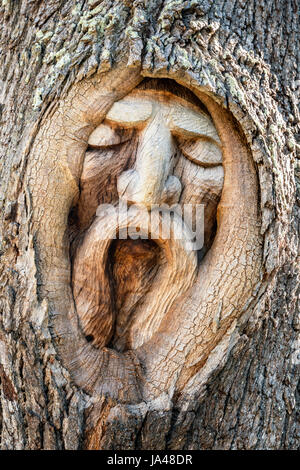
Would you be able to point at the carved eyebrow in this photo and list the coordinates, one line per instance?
(189, 123)
(130, 112)
(181, 120)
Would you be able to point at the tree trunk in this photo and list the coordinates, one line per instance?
(63, 65)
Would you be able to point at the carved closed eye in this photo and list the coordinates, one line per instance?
(201, 151)
(107, 136)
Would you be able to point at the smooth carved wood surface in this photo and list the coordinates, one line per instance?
(153, 148)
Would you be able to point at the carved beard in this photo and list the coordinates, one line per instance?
(123, 289)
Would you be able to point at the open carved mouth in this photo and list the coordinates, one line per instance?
(133, 265)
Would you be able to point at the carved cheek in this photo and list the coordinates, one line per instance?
(201, 185)
(101, 170)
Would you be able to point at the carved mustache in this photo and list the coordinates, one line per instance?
(92, 286)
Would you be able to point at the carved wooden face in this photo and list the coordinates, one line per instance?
(157, 146)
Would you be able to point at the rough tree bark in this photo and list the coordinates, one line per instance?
(244, 55)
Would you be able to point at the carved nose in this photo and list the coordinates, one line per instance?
(150, 182)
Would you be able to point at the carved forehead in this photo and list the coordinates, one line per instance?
(171, 88)
(163, 97)
(166, 91)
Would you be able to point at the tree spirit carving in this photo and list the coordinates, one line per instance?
(157, 148)
(135, 319)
